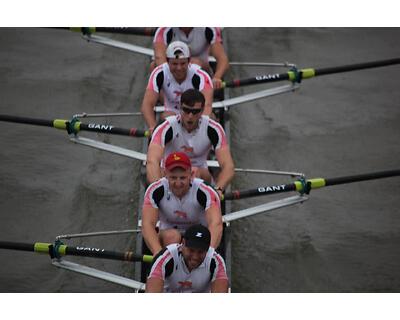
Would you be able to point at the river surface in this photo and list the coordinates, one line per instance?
(343, 239)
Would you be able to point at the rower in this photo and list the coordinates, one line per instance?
(192, 266)
(194, 134)
(201, 41)
(178, 201)
(170, 79)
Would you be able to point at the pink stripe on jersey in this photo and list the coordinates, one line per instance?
(207, 80)
(218, 33)
(148, 196)
(221, 269)
(221, 134)
(160, 35)
(214, 198)
(152, 84)
(158, 267)
(158, 136)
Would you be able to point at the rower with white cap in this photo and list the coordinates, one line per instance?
(171, 79)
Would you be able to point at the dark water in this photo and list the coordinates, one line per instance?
(344, 239)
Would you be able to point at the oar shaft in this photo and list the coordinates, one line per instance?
(362, 177)
(41, 247)
(310, 73)
(135, 31)
(358, 66)
(315, 183)
(62, 124)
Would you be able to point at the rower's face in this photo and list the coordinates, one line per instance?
(193, 257)
(179, 180)
(191, 115)
(178, 68)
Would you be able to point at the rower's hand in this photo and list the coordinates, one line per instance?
(217, 83)
(219, 191)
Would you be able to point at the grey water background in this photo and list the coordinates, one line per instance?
(344, 239)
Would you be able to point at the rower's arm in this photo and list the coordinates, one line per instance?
(218, 52)
(149, 101)
(225, 161)
(218, 286)
(150, 235)
(214, 222)
(159, 53)
(208, 95)
(154, 155)
(155, 285)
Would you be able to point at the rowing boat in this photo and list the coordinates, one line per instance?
(267, 188)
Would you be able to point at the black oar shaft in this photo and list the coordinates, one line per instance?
(362, 177)
(77, 126)
(297, 75)
(354, 67)
(308, 184)
(141, 31)
(81, 251)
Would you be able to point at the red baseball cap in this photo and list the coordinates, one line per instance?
(177, 159)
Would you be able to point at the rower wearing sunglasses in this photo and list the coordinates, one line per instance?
(195, 134)
(169, 80)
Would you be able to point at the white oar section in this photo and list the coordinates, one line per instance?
(95, 273)
(142, 157)
(119, 150)
(247, 97)
(119, 44)
(266, 207)
(109, 147)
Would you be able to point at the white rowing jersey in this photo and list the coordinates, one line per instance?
(198, 40)
(197, 144)
(170, 266)
(162, 79)
(181, 213)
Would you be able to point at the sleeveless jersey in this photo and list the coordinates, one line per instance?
(162, 79)
(198, 40)
(170, 266)
(181, 213)
(196, 144)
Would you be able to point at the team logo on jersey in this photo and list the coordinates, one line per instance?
(187, 149)
(185, 284)
(181, 214)
(178, 93)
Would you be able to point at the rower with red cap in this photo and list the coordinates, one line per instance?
(195, 134)
(192, 266)
(179, 201)
(170, 79)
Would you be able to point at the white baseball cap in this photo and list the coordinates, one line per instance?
(178, 50)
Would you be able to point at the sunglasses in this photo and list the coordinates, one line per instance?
(191, 110)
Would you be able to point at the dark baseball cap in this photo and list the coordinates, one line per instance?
(198, 237)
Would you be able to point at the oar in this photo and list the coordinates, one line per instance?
(136, 31)
(75, 126)
(298, 75)
(306, 185)
(63, 250)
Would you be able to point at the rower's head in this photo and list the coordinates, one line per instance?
(196, 242)
(178, 56)
(192, 107)
(178, 171)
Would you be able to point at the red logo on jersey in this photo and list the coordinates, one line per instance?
(177, 93)
(181, 214)
(187, 149)
(185, 284)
